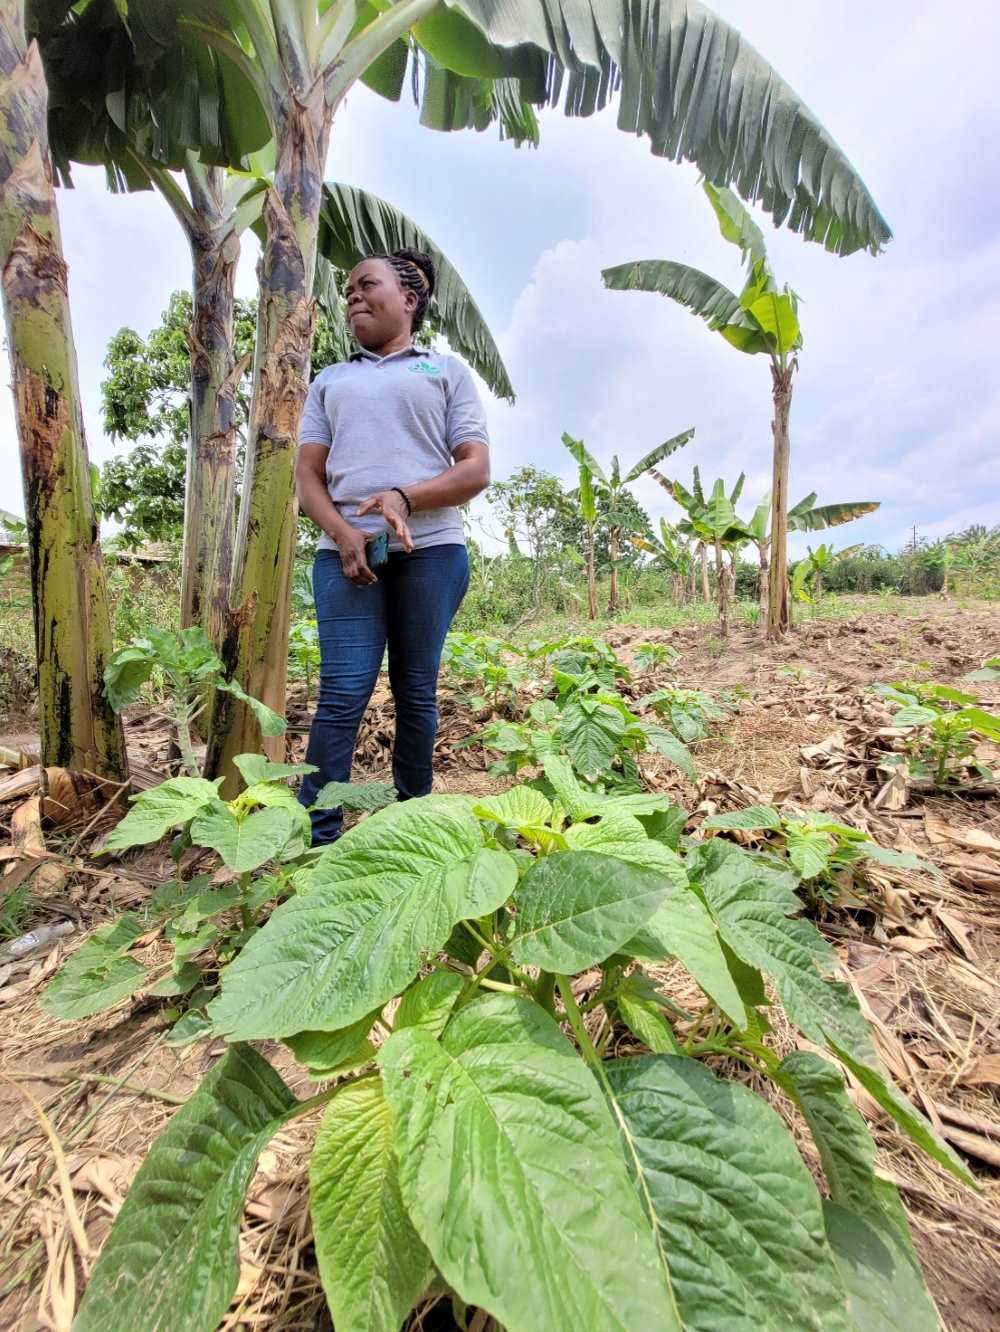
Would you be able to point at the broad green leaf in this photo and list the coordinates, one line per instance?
(808, 849)
(736, 224)
(327, 1052)
(98, 975)
(521, 806)
(883, 855)
(256, 768)
(591, 733)
(775, 312)
(909, 1119)
(575, 800)
(277, 795)
(914, 715)
(666, 826)
(623, 836)
(371, 1261)
(270, 722)
(428, 1003)
(979, 719)
(171, 898)
(363, 797)
(193, 1026)
(643, 1015)
(124, 676)
(485, 882)
(156, 811)
(667, 744)
(739, 1221)
(181, 981)
(683, 928)
(354, 935)
(641, 804)
(247, 843)
(578, 907)
(752, 904)
(865, 1222)
(753, 818)
(512, 1175)
(77, 994)
(171, 1260)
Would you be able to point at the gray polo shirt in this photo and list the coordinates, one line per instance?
(393, 421)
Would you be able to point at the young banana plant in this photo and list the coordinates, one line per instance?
(611, 486)
(761, 320)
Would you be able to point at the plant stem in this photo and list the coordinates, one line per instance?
(575, 1020)
(182, 720)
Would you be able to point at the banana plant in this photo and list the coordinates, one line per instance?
(805, 516)
(477, 62)
(121, 123)
(612, 486)
(713, 522)
(762, 320)
(814, 566)
(72, 625)
(673, 552)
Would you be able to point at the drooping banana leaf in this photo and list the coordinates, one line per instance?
(354, 224)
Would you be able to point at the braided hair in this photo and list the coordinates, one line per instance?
(416, 273)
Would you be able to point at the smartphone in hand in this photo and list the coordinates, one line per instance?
(378, 550)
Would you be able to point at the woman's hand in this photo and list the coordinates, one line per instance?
(353, 559)
(391, 505)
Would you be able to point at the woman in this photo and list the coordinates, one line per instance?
(393, 439)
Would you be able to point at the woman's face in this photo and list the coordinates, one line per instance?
(379, 309)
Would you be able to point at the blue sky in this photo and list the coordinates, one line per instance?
(898, 395)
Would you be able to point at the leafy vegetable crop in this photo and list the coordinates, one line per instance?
(264, 825)
(828, 856)
(947, 725)
(483, 1133)
(190, 667)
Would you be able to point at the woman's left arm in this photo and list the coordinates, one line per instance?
(466, 478)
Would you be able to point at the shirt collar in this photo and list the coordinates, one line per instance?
(363, 354)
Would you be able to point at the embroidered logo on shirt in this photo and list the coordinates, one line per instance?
(424, 368)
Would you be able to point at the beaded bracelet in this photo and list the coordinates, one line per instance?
(406, 499)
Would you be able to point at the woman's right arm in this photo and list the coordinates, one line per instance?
(315, 503)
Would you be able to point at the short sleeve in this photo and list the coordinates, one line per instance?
(466, 418)
(315, 427)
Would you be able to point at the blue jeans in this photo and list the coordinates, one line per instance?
(409, 610)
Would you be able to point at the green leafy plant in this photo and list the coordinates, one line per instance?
(990, 670)
(191, 670)
(829, 857)
(489, 1137)
(947, 725)
(478, 669)
(654, 656)
(264, 826)
(303, 651)
(688, 712)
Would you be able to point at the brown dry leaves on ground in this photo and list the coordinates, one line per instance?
(82, 1102)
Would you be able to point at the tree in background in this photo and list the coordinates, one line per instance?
(72, 627)
(761, 320)
(528, 505)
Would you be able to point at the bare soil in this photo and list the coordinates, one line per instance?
(921, 954)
